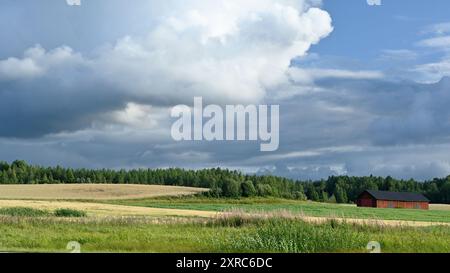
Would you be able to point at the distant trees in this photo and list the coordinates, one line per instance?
(445, 192)
(248, 189)
(264, 190)
(227, 183)
(231, 188)
(340, 194)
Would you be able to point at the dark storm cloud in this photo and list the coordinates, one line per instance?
(30, 109)
(400, 112)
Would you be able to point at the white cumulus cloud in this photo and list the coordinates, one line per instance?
(223, 50)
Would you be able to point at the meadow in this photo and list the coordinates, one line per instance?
(234, 234)
(180, 223)
(439, 213)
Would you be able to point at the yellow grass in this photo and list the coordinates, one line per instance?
(91, 191)
(439, 207)
(96, 209)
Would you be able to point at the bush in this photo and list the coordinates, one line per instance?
(23, 212)
(248, 189)
(70, 213)
(299, 195)
(265, 190)
(231, 188)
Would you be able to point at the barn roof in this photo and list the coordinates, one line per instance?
(398, 196)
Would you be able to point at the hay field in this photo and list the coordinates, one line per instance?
(104, 210)
(91, 191)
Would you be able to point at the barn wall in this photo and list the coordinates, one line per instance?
(402, 204)
(366, 200)
(367, 203)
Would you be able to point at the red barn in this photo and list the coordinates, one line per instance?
(385, 199)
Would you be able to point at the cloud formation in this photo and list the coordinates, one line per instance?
(226, 51)
(98, 93)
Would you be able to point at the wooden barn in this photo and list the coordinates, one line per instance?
(385, 199)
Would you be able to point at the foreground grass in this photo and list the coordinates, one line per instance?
(307, 208)
(229, 234)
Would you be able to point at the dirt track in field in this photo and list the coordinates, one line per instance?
(91, 191)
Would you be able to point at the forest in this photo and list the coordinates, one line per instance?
(228, 183)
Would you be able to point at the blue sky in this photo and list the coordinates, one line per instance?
(363, 31)
(362, 89)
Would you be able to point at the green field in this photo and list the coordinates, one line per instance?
(234, 234)
(49, 226)
(306, 208)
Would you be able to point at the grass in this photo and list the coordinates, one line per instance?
(69, 213)
(47, 226)
(233, 233)
(32, 212)
(23, 212)
(290, 236)
(95, 209)
(306, 208)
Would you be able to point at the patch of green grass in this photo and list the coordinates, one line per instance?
(243, 235)
(32, 212)
(290, 236)
(306, 208)
(23, 212)
(117, 235)
(69, 213)
(283, 235)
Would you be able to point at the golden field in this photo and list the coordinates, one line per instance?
(104, 210)
(91, 191)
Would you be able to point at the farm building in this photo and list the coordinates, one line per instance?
(385, 199)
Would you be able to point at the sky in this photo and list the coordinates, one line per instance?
(363, 89)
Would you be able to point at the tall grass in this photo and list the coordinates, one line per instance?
(233, 232)
(23, 212)
(286, 234)
(32, 212)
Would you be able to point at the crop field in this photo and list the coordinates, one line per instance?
(91, 191)
(104, 210)
(134, 218)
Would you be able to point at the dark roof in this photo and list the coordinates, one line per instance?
(398, 196)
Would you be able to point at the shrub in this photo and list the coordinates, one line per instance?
(248, 189)
(231, 188)
(23, 212)
(264, 190)
(299, 195)
(70, 213)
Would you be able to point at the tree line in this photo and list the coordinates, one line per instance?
(228, 183)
